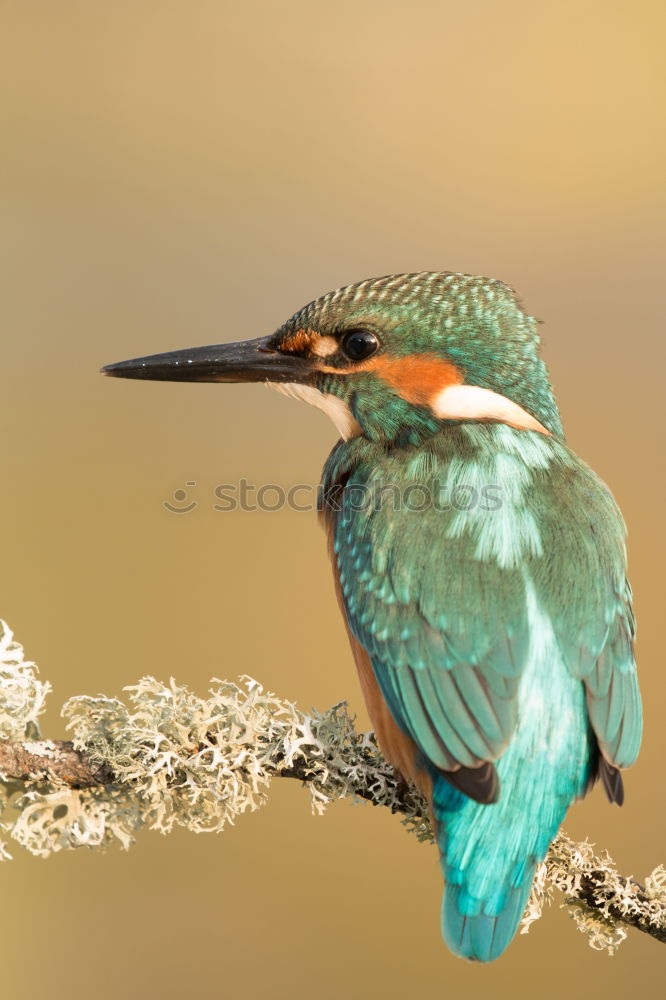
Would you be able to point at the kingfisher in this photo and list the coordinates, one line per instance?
(480, 567)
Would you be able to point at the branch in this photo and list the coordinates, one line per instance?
(166, 757)
(590, 883)
(52, 761)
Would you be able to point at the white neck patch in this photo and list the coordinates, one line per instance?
(471, 402)
(342, 417)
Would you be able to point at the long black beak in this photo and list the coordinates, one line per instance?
(245, 361)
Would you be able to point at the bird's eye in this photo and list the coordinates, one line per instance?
(359, 344)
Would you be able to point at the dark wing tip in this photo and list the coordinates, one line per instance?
(612, 781)
(479, 783)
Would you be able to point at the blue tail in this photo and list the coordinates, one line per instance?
(472, 932)
(488, 869)
(489, 853)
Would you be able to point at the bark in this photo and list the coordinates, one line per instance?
(57, 761)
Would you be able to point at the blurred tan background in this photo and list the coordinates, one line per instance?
(179, 173)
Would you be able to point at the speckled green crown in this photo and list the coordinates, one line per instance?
(475, 322)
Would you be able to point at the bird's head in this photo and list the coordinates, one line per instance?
(392, 358)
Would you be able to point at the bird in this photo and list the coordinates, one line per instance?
(479, 563)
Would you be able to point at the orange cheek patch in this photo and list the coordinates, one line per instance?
(418, 378)
(300, 341)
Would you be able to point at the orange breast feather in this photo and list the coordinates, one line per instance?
(398, 748)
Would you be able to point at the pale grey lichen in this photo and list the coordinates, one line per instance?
(655, 889)
(178, 759)
(540, 897)
(182, 760)
(189, 761)
(22, 694)
(575, 869)
(201, 762)
(22, 701)
(603, 933)
(56, 819)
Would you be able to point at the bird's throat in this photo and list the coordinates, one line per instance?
(337, 409)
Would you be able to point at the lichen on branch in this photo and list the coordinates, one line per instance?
(167, 757)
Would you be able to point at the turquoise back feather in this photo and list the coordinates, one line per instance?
(498, 631)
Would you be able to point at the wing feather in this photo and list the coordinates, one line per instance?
(445, 620)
